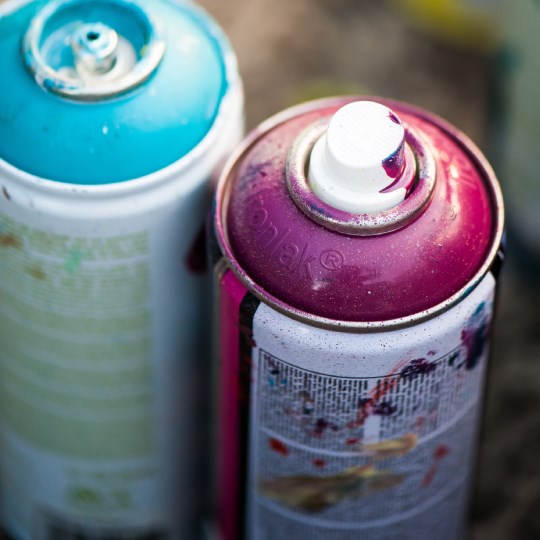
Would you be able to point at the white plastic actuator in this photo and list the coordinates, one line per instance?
(360, 156)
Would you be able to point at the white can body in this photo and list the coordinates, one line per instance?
(102, 347)
(365, 435)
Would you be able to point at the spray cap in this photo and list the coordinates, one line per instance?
(92, 50)
(356, 166)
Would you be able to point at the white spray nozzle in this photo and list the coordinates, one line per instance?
(361, 154)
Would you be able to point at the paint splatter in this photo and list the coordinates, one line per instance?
(37, 273)
(10, 240)
(274, 378)
(277, 446)
(308, 403)
(6, 193)
(419, 423)
(417, 368)
(73, 261)
(384, 408)
(321, 425)
(319, 463)
(317, 493)
(474, 337)
(438, 454)
(253, 171)
(391, 447)
(366, 404)
(353, 441)
(453, 358)
(364, 410)
(429, 476)
(394, 164)
(394, 118)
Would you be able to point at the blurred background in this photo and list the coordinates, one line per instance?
(477, 64)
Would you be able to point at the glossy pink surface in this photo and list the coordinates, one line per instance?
(353, 278)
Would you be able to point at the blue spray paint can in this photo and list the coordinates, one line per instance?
(114, 114)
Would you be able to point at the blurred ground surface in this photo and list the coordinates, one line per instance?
(292, 50)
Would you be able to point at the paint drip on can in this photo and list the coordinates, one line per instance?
(115, 117)
(360, 241)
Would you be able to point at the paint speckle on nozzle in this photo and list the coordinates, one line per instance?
(393, 165)
(73, 261)
(393, 117)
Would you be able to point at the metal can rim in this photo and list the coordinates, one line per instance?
(470, 148)
(51, 80)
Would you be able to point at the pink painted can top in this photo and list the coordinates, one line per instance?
(334, 267)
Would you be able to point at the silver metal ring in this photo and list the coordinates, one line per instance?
(418, 156)
(59, 83)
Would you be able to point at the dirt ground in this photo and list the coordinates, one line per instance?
(292, 50)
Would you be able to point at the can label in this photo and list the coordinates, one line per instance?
(77, 384)
(364, 433)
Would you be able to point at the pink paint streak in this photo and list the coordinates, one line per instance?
(438, 454)
(231, 295)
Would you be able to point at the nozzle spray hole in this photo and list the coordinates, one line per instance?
(92, 36)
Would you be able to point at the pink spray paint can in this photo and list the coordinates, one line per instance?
(360, 243)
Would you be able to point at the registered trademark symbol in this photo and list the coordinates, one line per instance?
(331, 259)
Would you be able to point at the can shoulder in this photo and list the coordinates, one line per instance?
(308, 269)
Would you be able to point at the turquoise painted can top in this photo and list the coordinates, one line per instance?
(96, 92)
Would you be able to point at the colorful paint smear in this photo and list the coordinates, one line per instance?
(277, 446)
(391, 447)
(317, 493)
(474, 337)
(438, 454)
(417, 368)
(10, 240)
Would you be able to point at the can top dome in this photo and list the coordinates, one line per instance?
(108, 90)
(380, 268)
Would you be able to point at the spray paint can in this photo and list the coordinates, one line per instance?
(112, 121)
(360, 246)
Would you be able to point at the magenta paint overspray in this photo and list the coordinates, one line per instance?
(360, 247)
